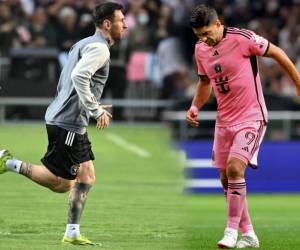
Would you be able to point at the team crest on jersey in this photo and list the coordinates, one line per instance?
(222, 83)
(218, 68)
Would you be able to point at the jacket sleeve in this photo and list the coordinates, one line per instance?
(93, 57)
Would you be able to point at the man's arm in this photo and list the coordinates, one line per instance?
(281, 57)
(203, 91)
(94, 56)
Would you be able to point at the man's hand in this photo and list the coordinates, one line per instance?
(191, 116)
(104, 119)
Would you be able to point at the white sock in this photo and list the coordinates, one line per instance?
(14, 165)
(229, 229)
(250, 233)
(72, 230)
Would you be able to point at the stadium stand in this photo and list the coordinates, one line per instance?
(36, 36)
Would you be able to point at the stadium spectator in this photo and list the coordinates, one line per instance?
(68, 161)
(164, 26)
(153, 8)
(227, 63)
(117, 82)
(42, 32)
(85, 25)
(134, 8)
(139, 32)
(28, 6)
(7, 28)
(86, 7)
(17, 9)
(172, 68)
(242, 15)
(67, 32)
(54, 7)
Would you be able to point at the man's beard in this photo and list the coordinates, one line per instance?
(116, 36)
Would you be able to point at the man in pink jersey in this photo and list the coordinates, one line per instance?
(227, 63)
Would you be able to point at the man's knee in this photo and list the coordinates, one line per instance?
(86, 173)
(235, 169)
(223, 178)
(88, 178)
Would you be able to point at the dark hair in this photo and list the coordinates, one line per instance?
(105, 11)
(202, 15)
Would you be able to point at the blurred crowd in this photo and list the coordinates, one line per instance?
(159, 45)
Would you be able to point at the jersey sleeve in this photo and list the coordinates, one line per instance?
(200, 68)
(253, 44)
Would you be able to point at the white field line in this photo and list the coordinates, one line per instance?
(203, 183)
(4, 233)
(199, 163)
(128, 146)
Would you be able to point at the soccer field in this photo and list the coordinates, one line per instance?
(137, 203)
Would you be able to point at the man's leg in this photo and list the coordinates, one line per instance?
(224, 181)
(37, 173)
(245, 225)
(236, 195)
(77, 198)
(247, 136)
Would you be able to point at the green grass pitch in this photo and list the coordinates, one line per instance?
(137, 203)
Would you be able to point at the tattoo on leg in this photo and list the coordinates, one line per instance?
(26, 169)
(77, 200)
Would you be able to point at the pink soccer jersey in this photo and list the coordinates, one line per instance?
(232, 68)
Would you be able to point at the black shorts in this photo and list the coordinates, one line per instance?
(66, 150)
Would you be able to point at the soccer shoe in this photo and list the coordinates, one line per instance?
(79, 240)
(229, 240)
(248, 241)
(4, 156)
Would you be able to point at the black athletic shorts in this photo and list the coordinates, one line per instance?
(66, 150)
